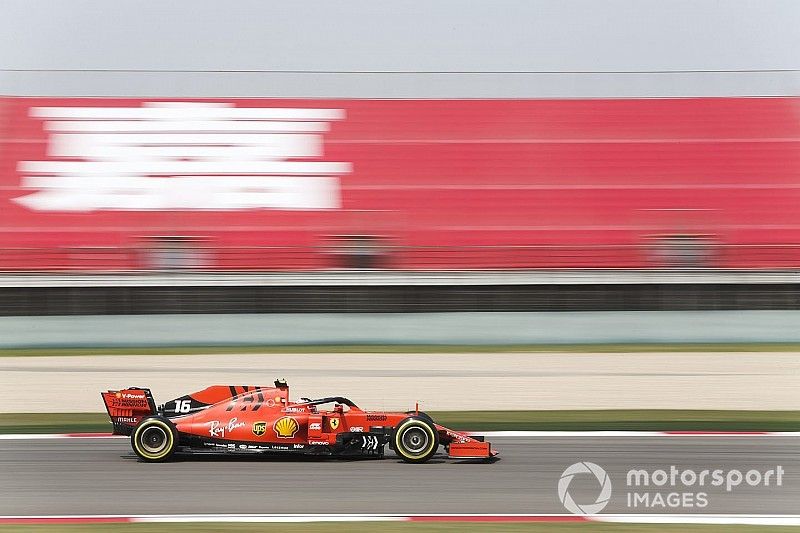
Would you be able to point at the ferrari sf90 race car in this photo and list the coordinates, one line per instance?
(241, 419)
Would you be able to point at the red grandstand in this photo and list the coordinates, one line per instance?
(242, 184)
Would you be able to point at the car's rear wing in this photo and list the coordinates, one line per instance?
(127, 407)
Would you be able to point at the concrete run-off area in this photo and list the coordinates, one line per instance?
(449, 381)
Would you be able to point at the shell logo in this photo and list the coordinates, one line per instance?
(286, 427)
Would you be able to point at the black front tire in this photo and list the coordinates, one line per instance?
(421, 414)
(415, 439)
(155, 439)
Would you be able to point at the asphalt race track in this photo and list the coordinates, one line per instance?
(102, 476)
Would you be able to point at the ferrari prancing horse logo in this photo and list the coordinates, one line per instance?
(334, 423)
(259, 428)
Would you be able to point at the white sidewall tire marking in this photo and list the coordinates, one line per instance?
(398, 439)
(167, 448)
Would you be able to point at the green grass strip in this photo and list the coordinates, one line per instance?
(405, 348)
(599, 420)
(622, 420)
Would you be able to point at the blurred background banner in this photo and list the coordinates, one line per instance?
(109, 184)
(352, 158)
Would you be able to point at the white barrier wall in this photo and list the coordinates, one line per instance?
(406, 328)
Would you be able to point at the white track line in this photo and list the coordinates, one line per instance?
(285, 518)
(490, 434)
(720, 519)
(501, 434)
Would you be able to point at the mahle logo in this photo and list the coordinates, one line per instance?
(584, 467)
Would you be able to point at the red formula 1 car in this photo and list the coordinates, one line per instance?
(252, 419)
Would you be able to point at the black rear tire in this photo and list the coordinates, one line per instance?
(421, 414)
(155, 439)
(415, 439)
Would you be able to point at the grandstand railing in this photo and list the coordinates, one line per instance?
(391, 257)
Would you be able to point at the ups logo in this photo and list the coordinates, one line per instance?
(259, 428)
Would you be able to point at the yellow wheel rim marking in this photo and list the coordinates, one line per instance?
(168, 431)
(399, 447)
